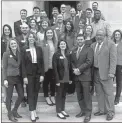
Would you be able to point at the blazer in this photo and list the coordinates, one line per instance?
(17, 28)
(57, 31)
(84, 63)
(107, 59)
(58, 66)
(27, 62)
(11, 67)
(21, 41)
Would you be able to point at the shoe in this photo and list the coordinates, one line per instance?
(61, 116)
(33, 121)
(37, 118)
(87, 119)
(109, 116)
(48, 101)
(116, 101)
(99, 113)
(23, 104)
(16, 115)
(65, 114)
(52, 98)
(80, 115)
(12, 118)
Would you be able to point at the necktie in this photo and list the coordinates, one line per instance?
(78, 52)
(98, 48)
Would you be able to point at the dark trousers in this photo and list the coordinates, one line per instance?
(61, 96)
(20, 93)
(118, 80)
(49, 80)
(104, 93)
(84, 97)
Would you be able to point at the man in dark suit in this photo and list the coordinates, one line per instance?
(55, 12)
(104, 70)
(17, 24)
(89, 19)
(82, 60)
(23, 42)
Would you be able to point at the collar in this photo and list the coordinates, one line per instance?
(81, 47)
(23, 20)
(80, 11)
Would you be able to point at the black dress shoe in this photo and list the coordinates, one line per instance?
(87, 119)
(99, 113)
(11, 118)
(16, 115)
(80, 115)
(61, 117)
(109, 116)
(37, 118)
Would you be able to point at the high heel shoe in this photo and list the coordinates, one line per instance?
(61, 117)
(48, 101)
(16, 115)
(12, 118)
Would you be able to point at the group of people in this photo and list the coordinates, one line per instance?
(64, 54)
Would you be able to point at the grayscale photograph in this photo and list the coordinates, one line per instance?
(61, 61)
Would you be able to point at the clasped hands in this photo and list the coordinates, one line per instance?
(76, 71)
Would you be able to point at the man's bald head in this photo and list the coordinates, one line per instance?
(100, 35)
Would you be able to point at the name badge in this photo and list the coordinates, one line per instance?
(23, 41)
(27, 50)
(11, 56)
(61, 57)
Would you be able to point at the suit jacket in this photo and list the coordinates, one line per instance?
(52, 22)
(21, 41)
(58, 66)
(107, 59)
(11, 67)
(17, 28)
(57, 31)
(84, 63)
(27, 62)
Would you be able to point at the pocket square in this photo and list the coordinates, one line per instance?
(11, 56)
(61, 57)
(27, 50)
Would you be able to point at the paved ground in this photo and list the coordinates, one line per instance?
(47, 113)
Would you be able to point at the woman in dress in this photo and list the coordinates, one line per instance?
(62, 72)
(69, 35)
(11, 77)
(117, 38)
(6, 35)
(32, 72)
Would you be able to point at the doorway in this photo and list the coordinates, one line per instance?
(50, 4)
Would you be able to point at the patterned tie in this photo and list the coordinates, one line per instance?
(98, 48)
(78, 52)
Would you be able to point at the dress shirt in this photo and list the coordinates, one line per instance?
(88, 21)
(37, 19)
(79, 50)
(79, 13)
(81, 31)
(33, 55)
(99, 46)
(23, 21)
(103, 25)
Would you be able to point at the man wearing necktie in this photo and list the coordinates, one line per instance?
(89, 18)
(104, 70)
(82, 60)
(17, 24)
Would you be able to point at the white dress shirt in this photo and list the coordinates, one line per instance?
(33, 55)
(99, 47)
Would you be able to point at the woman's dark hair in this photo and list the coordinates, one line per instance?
(6, 25)
(35, 22)
(72, 27)
(58, 48)
(45, 37)
(113, 35)
(34, 36)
